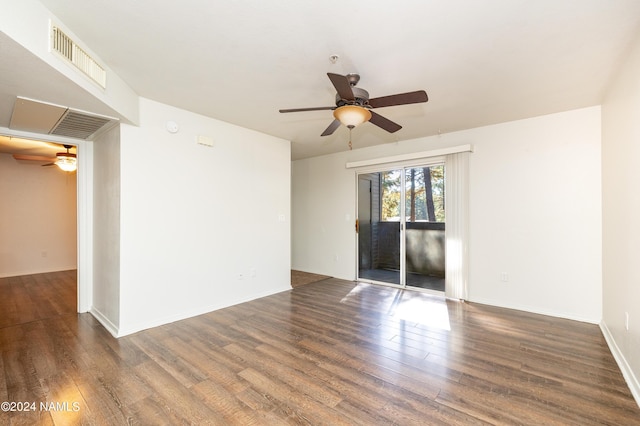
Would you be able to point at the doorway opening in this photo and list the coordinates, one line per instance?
(401, 227)
(60, 237)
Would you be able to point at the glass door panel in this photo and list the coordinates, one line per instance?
(379, 242)
(425, 227)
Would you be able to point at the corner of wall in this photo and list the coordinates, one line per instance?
(102, 319)
(625, 368)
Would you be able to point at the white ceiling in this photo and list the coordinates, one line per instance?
(480, 61)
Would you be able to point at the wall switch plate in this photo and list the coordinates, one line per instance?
(204, 140)
(504, 277)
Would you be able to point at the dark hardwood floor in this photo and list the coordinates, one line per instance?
(37, 297)
(331, 352)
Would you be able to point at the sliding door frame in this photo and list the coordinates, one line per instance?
(401, 166)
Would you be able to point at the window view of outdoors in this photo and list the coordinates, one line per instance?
(407, 251)
(425, 194)
(390, 196)
(424, 197)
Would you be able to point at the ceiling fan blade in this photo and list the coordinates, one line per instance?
(384, 123)
(342, 85)
(399, 99)
(332, 128)
(308, 109)
(49, 164)
(24, 157)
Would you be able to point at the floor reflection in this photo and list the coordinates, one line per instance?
(425, 310)
(405, 305)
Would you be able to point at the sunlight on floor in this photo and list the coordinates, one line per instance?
(409, 306)
(355, 291)
(427, 312)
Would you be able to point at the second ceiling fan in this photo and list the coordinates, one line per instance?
(66, 161)
(353, 105)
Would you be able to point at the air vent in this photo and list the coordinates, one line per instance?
(69, 50)
(78, 125)
(41, 117)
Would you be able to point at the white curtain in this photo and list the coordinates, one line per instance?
(457, 227)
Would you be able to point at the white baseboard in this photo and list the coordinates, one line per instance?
(134, 328)
(106, 323)
(534, 310)
(10, 274)
(627, 373)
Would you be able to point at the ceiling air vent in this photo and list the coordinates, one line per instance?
(69, 50)
(41, 117)
(78, 125)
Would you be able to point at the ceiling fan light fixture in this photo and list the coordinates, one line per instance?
(66, 161)
(352, 115)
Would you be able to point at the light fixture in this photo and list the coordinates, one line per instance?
(352, 115)
(66, 160)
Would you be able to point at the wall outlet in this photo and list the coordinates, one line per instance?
(504, 277)
(626, 321)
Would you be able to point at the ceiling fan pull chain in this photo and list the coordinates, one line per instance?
(350, 146)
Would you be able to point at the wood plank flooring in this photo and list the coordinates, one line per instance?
(36, 297)
(299, 278)
(331, 352)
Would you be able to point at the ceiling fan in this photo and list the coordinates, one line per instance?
(354, 107)
(66, 161)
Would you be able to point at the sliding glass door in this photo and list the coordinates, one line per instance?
(379, 227)
(424, 227)
(401, 223)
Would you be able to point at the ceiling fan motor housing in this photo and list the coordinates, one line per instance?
(361, 98)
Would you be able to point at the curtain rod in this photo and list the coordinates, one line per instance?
(410, 156)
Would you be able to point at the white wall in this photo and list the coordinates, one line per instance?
(106, 229)
(621, 216)
(194, 218)
(535, 212)
(37, 218)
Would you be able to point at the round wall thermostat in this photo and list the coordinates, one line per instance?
(172, 127)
